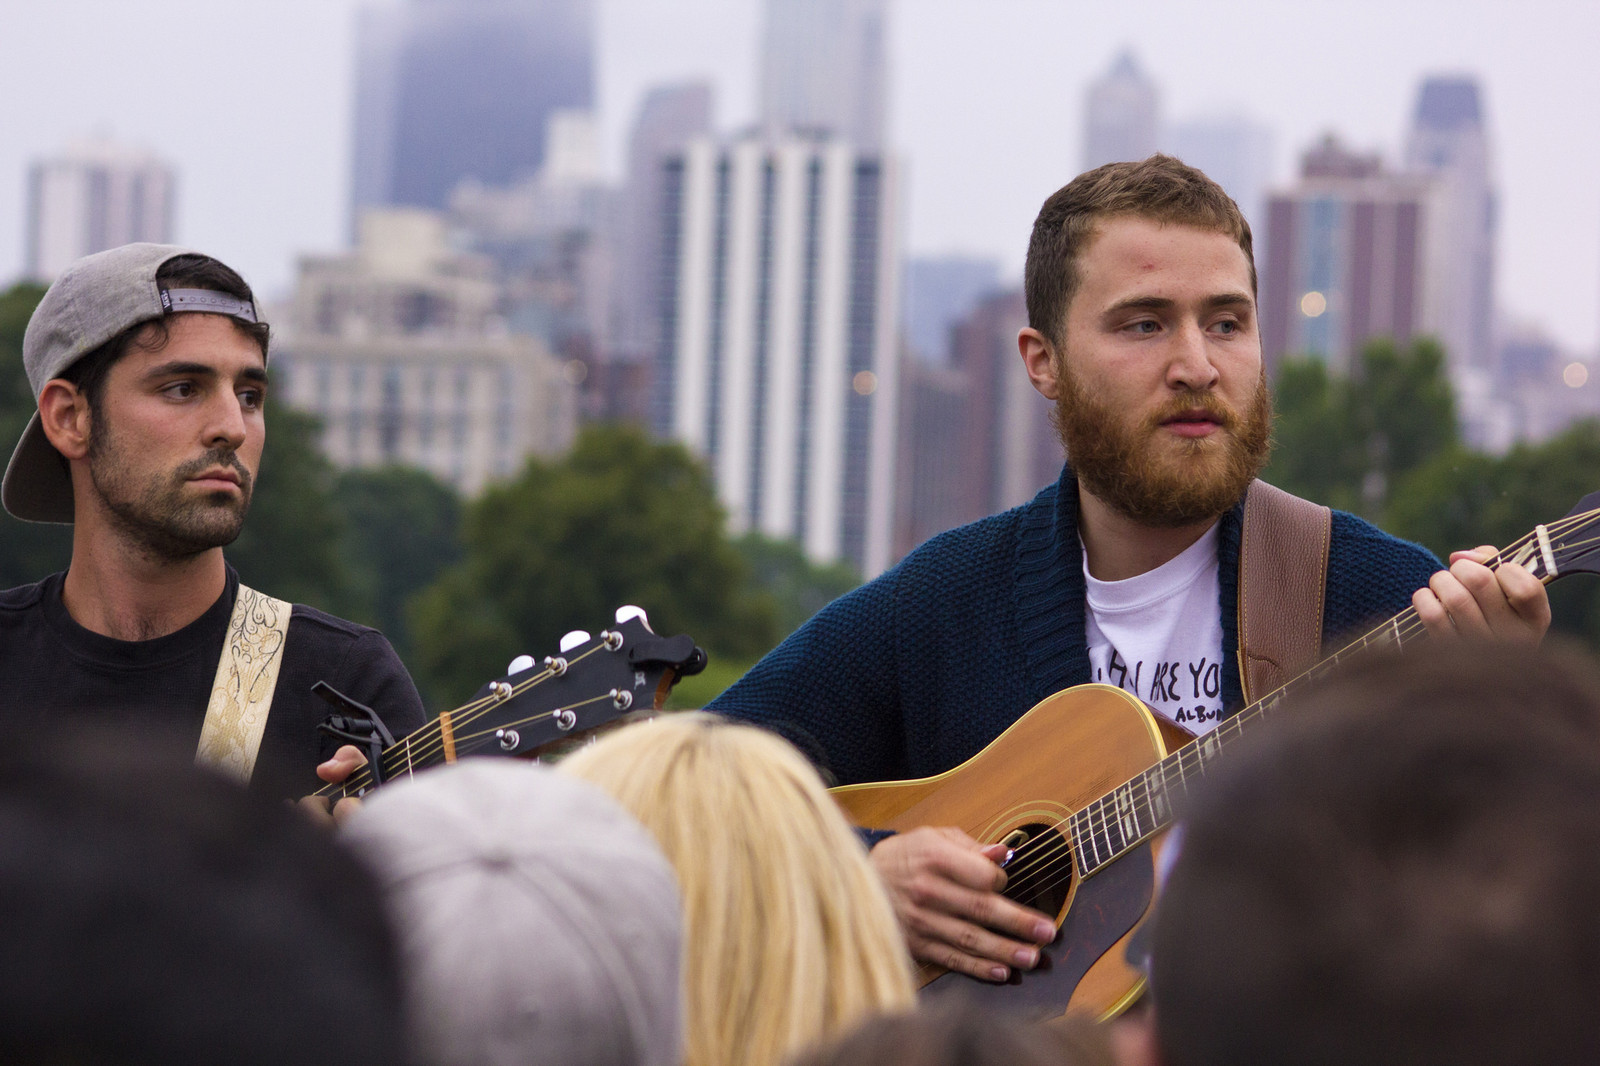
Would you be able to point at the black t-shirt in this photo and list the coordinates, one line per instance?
(54, 672)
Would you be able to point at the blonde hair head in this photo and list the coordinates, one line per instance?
(788, 936)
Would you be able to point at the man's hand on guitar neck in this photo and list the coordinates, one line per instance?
(346, 761)
(1471, 600)
(945, 888)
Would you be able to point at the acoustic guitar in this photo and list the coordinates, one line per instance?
(538, 709)
(1083, 787)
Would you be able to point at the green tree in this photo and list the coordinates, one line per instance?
(621, 519)
(797, 587)
(1317, 451)
(402, 529)
(793, 586)
(1405, 404)
(1462, 499)
(290, 546)
(1347, 442)
(28, 550)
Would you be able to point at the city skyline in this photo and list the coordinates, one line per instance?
(984, 143)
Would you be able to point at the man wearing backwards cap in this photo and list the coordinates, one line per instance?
(149, 366)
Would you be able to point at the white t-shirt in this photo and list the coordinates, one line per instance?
(1159, 635)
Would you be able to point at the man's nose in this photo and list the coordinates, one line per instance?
(1191, 365)
(226, 427)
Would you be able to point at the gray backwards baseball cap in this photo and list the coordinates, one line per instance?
(94, 300)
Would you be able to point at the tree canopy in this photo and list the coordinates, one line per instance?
(1385, 444)
(621, 519)
(1346, 442)
(28, 550)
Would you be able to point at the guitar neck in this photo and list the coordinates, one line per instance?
(534, 712)
(1133, 812)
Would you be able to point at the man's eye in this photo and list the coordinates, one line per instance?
(252, 399)
(1228, 325)
(1143, 326)
(180, 390)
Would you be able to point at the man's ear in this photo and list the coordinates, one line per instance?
(1039, 356)
(64, 416)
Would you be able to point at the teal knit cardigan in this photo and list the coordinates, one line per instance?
(918, 670)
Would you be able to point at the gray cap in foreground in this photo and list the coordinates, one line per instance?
(93, 300)
(539, 922)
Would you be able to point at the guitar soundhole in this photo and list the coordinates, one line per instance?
(1039, 874)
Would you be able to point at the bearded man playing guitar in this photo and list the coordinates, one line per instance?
(1141, 294)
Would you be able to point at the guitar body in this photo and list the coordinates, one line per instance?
(1067, 751)
(1081, 751)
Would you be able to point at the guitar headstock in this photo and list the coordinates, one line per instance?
(589, 682)
(1575, 539)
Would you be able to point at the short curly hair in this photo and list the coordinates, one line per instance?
(1160, 188)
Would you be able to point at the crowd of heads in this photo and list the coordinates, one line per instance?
(1401, 867)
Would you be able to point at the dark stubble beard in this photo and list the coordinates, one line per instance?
(1151, 476)
(156, 513)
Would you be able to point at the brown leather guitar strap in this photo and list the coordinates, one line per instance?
(1283, 573)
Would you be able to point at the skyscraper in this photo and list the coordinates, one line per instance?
(939, 291)
(95, 195)
(1122, 115)
(1234, 151)
(824, 67)
(1449, 142)
(778, 358)
(669, 118)
(454, 89)
(399, 349)
(1350, 256)
(976, 437)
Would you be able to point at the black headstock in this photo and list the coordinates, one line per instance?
(1575, 540)
(590, 682)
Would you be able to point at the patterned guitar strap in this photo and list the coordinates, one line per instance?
(247, 675)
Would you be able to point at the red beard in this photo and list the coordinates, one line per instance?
(1149, 476)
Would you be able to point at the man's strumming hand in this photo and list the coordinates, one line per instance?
(945, 887)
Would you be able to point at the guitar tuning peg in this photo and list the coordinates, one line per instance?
(629, 611)
(519, 664)
(574, 639)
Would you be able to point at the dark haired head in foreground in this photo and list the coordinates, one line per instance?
(155, 913)
(953, 1033)
(1405, 870)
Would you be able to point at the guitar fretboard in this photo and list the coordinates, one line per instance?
(1133, 812)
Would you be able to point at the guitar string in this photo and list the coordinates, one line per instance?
(1031, 874)
(424, 743)
(1401, 625)
(409, 751)
(1046, 868)
(1042, 871)
(468, 738)
(405, 756)
(465, 715)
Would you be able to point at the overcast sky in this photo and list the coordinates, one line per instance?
(252, 100)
